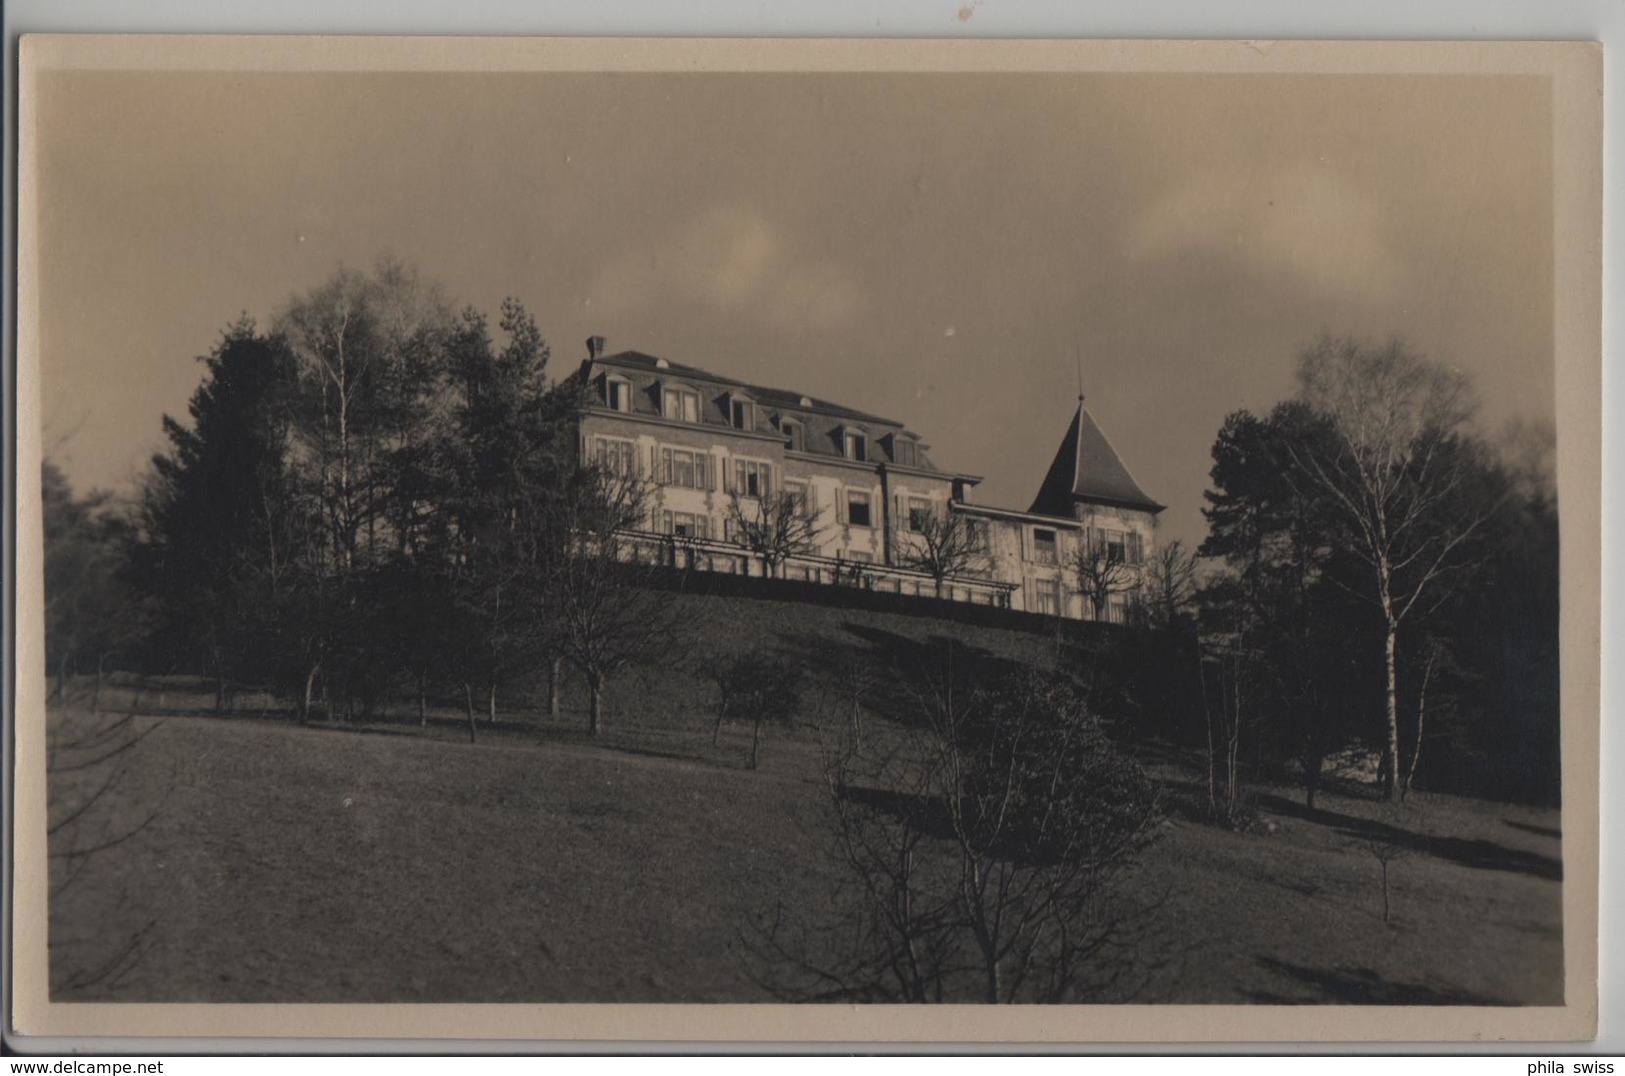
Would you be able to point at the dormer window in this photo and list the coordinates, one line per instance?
(742, 413)
(906, 453)
(855, 446)
(618, 394)
(680, 404)
(795, 435)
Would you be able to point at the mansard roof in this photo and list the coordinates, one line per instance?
(824, 422)
(783, 398)
(1087, 469)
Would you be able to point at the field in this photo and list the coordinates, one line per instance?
(389, 861)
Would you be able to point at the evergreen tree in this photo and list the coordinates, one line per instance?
(223, 526)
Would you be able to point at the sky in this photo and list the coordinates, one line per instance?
(955, 251)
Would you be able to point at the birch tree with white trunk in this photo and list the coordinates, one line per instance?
(1398, 470)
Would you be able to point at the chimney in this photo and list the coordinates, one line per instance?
(595, 347)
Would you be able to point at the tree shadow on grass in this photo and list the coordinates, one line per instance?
(1540, 831)
(926, 815)
(413, 733)
(1476, 852)
(890, 672)
(1361, 986)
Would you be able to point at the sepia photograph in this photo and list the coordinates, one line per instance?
(625, 524)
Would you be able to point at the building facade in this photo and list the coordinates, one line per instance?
(714, 450)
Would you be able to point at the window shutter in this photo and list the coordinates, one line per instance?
(767, 480)
(840, 506)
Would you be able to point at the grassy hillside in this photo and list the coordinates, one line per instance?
(393, 862)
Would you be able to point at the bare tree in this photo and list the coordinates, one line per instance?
(1223, 670)
(610, 606)
(91, 612)
(757, 687)
(1394, 835)
(1397, 471)
(983, 845)
(775, 527)
(1169, 584)
(1436, 651)
(366, 345)
(369, 350)
(854, 681)
(1101, 571)
(943, 544)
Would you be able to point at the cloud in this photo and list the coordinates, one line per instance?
(1301, 220)
(733, 261)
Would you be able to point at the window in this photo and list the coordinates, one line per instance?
(857, 508)
(615, 456)
(906, 453)
(685, 525)
(1116, 547)
(856, 446)
(752, 478)
(1047, 595)
(1044, 551)
(795, 437)
(1120, 547)
(742, 413)
(978, 535)
(797, 492)
(920, 513)
(680, 405)
(690, 470)
(618, 394)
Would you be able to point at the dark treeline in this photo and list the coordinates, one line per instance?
(1383, 580)
(374, 500)
(377, 504)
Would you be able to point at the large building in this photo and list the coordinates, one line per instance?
(882, 514)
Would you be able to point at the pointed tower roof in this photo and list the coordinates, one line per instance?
(1087, 468)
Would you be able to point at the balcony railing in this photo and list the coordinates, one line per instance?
(714, 555)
